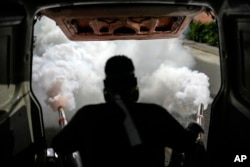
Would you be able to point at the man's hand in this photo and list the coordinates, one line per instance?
(195, 128)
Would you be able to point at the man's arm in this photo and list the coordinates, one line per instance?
(67, 140)
(178, 137)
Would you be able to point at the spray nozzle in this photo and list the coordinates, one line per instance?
(200, 119)
(200, 115)
(62, 117)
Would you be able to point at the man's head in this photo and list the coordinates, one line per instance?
(120, 78)
(119, 66)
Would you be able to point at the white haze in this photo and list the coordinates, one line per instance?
(71, 73)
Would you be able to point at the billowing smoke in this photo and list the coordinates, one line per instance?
(70, 74)
(180, 90)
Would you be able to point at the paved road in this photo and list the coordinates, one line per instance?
(207, 61)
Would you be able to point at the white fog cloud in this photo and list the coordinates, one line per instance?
(71, 73)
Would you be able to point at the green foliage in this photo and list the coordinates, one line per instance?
(203, 33)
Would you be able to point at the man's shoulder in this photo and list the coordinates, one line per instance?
(140, 106)
(153, 111)
(151, 105)
(90, 110)
(93, 107)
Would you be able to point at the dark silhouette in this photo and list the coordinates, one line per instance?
(123, 132)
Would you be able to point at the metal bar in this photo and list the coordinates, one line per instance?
(62, 117)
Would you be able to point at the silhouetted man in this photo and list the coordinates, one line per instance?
(123, 132)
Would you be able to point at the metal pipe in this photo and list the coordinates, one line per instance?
(200, 119)
(200, 115)
(62, 117)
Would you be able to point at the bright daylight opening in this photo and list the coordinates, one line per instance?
(178, 74)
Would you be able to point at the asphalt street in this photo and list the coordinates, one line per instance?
(208, 62)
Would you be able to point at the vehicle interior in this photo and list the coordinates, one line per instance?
(22, 126)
